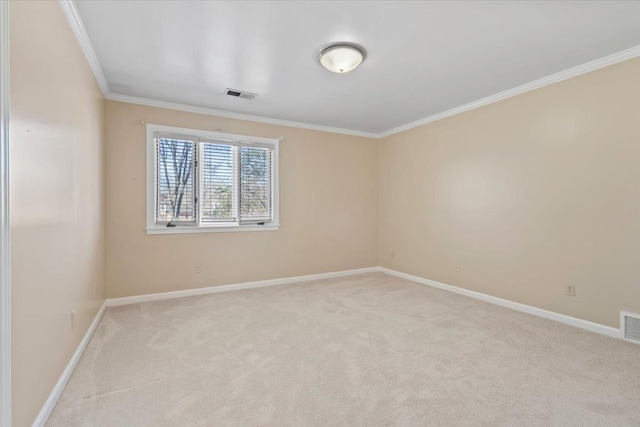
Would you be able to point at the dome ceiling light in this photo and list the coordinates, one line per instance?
(342, 57)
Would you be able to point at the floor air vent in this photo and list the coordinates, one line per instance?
(631, 326)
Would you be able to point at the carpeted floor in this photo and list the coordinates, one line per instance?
(367, 350)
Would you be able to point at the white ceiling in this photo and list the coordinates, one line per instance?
(422, 57)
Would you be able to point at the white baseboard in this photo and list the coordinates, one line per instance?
(47, 409)
(562, 318)
(535, 311)
(49, 405)
(112, 302)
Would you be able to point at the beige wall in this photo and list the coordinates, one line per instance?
(57, 181)
(525, 196)
(328, 204)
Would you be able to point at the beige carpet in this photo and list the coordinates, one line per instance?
(367, 350)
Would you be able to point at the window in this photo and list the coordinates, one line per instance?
(199, 181)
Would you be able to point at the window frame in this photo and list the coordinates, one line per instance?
(211, 137)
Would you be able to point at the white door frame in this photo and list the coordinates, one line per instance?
(5, 247)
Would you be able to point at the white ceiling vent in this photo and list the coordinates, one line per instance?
(630, 324)
(240, 94)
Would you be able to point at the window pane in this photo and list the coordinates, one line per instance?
(217, 199)
(175, 187)
(255, 184)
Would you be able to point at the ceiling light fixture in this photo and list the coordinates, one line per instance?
(341, 57)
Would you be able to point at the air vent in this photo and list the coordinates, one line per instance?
(631, 326)
(241, 94)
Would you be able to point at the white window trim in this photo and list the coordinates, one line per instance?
(5, 229)
(153, 228)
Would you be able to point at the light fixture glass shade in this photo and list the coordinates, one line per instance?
(341, 58)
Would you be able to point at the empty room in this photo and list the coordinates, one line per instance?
(319, 213)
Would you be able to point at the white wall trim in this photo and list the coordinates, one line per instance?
(212, 229)
(5, 245)
(79, 30)
(535, 311)
(71, 11)
(47, 409)
(51, 401)
(232, 115)
(113, 302)
(49, 405)
(536, 84)
(539, 312)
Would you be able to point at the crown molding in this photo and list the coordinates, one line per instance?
(75, 21)
(536, 84)
(71, 12)
(231, 115)
(518, 90)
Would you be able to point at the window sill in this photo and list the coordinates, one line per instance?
(196, 230)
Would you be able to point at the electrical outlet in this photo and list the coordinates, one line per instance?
(198, 269)
(73, 318)
(570, 290)
(393, 255)
(457, 269)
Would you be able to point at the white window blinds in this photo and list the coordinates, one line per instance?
(218, 185)
(208, 183)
